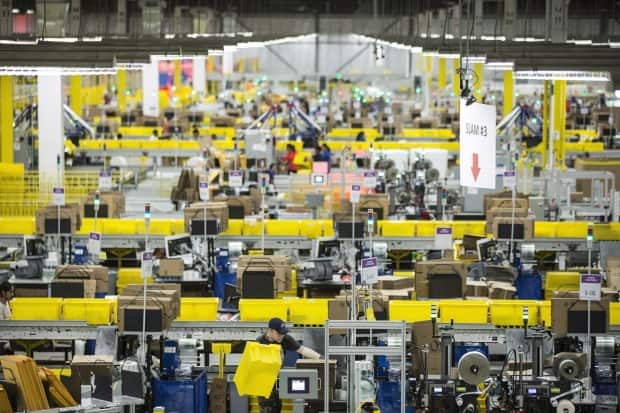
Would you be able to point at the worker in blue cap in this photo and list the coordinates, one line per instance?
(277, 333)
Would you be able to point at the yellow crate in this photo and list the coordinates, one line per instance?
(17, 225)
(116, 226)
(157, 227)
(235, 227)
(311, 228)
(169, 144)
(252, 227)
(410, 311)
(258, 369)
(150, 145)
(560, 281)
(284, 227)
(308, 310)
(572, 229)
(198, 309)
(127, 276)
(607, 232)
(396, 228)
(614, 314)
(463, 312)
(328, 228)
(189, 145)
(544, 312)
(88, 226)
(510, 312)
(92, 310)
(425, 228)
(177, 226)
(36, 309)
(544, 229)
(262, 309)
(91, 144)
(131, 144)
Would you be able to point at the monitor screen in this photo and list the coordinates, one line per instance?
(328, 249)
(298, 385)
(318, 179)
(178, 245)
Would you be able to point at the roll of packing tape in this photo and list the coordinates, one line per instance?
(565, 406)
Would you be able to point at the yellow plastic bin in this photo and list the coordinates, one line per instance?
(410, 311)
(560, 281)
(510, 312)
(258, 369)
(396, 228)
(463, 312)
(39, 309)
(544, 308)
(254, 309)
(92, 310)
(198, 309)
(308, 311)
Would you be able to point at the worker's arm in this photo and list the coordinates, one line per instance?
(308, 353)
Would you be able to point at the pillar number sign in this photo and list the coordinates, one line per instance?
(203, 190)
(443, 238)
(94, 243)
(58, 196)
(590, 287)
(147, 264)
(355, 194)
(369, 270)
(370, 179)
(235, 179)
(105, 180)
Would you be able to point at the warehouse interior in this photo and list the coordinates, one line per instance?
(265, 206)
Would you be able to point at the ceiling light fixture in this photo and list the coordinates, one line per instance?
(562, 75)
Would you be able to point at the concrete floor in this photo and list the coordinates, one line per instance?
(155, 189)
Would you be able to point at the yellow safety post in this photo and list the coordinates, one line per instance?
(177, 75)
(255, 65)
(75, 92)
(121, 90)
(221, 349)
(509, 96)
(456, 78)
(441, 73)
(546, 110)
(559, 122)
(429, 71)
(6, 119)
(241, 68)
(478, 69)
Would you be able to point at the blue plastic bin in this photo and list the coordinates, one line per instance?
(181, 396)
(529, 286)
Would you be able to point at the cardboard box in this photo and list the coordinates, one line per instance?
(426, 269)
(245, 201)
(613, 272)
(380, 202)
(130, 318)
(395, 283)
(171, 267)
(491, 199)
(113, 199)
(215, 210)
(71, 211)
(500, 225)
(477, 289)
(74, 272)
(560, 308)
(218, 394)
(71, 288)
(500, 290)
(422, 338)
(278, 264)
(222, 121)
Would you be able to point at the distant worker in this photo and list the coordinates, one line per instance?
(119, 136)
(6, 294)
(361, 136)
(272, 171)
(289, 158)
(277, 333)
(195, 134)
(327, 154)
(317, 156)
(154, 135)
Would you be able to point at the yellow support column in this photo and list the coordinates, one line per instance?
(456, 79)
(509, 93)
(177, 75)
(6, 119)
(478, 69)
(210, 64)
(559, 122)
(441, 73)
(121, 90)
(75, 91)
(429, 71)
(546, 112)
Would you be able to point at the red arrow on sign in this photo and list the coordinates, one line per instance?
(475, 168)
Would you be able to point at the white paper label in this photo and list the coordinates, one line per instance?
(105, 180)
(94, 243)
(370, 179)
(590, 287)
(235, 179)
(203, 190)
(510, 179)
(355, 194)
(443, 238)
(147, 264)
(369, 271)
(58, 196)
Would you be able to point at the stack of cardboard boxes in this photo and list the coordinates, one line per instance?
(436, 270)
(80, 281)
(379, 203)
(214, 210)
(218, 389)
(162, 307)
(186, 188)
(498, 212)
(46, 219)
(254, 275)
(244, 201)
(492, 289)
(111, 202)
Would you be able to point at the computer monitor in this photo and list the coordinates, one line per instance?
(231, 297)
(470, 242)
(236, 212)
(34, 246)
(179, 246)
(345, 230)
(325, 247)
(253, 176)
(484, 247)
(298, 384)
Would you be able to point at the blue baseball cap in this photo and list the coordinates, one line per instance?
(278, 325)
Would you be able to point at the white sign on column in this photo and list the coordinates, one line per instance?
(228, 60)
(477, 145)
(199, 75)
(150, 88)
(52, 133)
